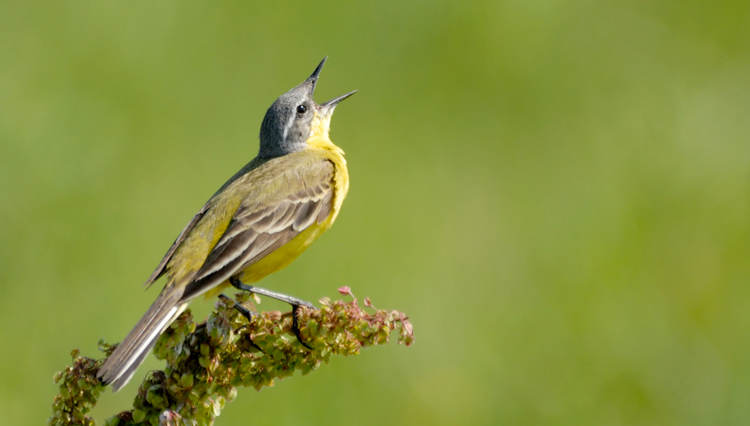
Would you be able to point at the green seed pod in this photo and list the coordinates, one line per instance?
(186, 380)
(204, 361)
(138, 416)
(158, 402)
(232, 394)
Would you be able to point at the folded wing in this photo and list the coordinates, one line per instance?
(257, 230)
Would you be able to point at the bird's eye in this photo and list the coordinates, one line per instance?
(301, 109)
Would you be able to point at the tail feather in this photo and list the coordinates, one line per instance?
(127, 374)
(129, 355)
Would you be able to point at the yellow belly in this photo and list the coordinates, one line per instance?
(278, 259)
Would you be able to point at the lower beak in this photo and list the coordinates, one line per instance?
(327, 107)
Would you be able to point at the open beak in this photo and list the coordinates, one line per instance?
(326, 108)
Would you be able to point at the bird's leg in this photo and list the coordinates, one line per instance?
(247, 313)
(236, 283)
(295, 302)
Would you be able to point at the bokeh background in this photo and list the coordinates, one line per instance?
(556, 192)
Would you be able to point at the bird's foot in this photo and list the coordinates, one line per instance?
(248, 314)
(295, 302)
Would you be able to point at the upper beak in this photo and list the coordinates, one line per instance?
(313, 79)
(327, 107)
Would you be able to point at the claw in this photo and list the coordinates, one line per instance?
(295, 327)
(254, 345)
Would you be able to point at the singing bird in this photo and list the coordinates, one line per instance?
(257, 223)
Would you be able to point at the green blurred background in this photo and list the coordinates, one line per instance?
(556, 192)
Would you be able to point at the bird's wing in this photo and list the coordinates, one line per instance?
(259, 228)
(160, 270)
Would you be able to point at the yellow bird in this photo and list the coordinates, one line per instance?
(257, 223)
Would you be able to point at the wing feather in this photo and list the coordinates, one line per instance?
(225, 253)
(306, 215)
(256, 231)
(325, 202)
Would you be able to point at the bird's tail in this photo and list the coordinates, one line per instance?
(129, 355)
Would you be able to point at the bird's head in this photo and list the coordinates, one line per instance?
(295, 119)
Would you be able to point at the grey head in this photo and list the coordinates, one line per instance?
(287, 124)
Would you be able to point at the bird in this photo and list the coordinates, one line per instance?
(257, 223)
